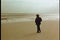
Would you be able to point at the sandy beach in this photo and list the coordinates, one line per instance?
(27, 30)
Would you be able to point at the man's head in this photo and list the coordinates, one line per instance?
(37, 15)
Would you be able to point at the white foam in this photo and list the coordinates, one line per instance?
(16, 20)
(50, 18)
(30, 18)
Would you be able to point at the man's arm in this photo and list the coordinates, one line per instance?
(40, 19)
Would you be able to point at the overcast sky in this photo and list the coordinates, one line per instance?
(29, 6)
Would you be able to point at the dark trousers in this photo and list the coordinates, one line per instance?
(38, 28)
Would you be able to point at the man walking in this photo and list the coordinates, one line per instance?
(38, 21)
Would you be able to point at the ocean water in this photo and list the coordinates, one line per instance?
(44, 17)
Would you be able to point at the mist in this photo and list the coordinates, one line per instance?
(29, 6)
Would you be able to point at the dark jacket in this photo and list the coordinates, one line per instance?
(38, 21)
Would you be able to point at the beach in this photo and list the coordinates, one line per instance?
(26, 30)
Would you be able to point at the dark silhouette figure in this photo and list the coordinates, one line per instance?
(38, 21)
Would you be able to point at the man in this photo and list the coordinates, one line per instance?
(38, 21)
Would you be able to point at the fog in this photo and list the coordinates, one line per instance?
(29, 6)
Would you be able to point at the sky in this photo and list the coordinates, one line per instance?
(29, 6)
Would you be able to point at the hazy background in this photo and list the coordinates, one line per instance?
(29, 6)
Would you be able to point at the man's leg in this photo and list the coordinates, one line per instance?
(38, 28)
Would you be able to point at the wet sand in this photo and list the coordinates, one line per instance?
(27, 31)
